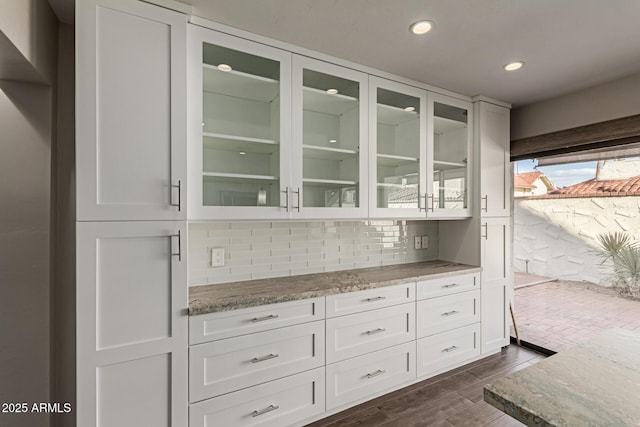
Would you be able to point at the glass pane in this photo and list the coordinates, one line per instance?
(398, 149)
(240, 128)
(450, 157)
(330, 165)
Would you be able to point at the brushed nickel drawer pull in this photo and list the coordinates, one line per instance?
(262, 319)
(449, 349)
(376, 373)
(265, 410)
(375, 299)
(449, 313)
(451, 285)
(375, 331)
(263, 358)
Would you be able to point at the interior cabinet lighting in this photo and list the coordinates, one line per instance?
(224, 67)
(512, 66)
(332, 91)
(421, 27)
(409, 108)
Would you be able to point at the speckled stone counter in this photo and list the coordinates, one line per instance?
(594, 384)
(229, 296)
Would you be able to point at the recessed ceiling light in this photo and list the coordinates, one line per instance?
(512, 66)
(421, 27)
(224, 67)
(409, 108)
(332, 91)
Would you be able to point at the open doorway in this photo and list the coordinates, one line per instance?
(576, 259)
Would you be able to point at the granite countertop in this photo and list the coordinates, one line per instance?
(230, 296)
(596, 383)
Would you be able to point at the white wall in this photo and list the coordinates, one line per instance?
(255, 250)
(608, 101)
(558, 236)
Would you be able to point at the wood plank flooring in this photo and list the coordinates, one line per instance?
(450, 399)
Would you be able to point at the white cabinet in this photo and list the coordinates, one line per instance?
(497, 280)
(492, 134)
(370, 299)
(131, 324)
(441, 352)
(131, 115)
(449, 145)
(239, 128)
(282, 402)
(397, 149)
(330, 145)
(441, 314)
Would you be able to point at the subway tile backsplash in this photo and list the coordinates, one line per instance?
(256, 250)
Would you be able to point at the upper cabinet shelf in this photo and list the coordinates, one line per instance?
(327, 153)
(393, 160)
(323, 102)
(238, 143)
(390, 115)
(239, 84)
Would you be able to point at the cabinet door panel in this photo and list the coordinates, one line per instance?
(440, 314)
(439, 352)
(131, 298)
(131, 120)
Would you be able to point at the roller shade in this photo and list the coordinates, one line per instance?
(620, 152)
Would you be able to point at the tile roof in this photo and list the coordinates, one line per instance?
(526, 179)
(598, 188)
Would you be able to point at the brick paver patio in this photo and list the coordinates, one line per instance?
(560, 314)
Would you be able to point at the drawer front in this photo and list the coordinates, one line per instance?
(356, 302)
(227, 365)
(447, 285)
(361, 333)
(441, 314)
(366, 375)
(226, 324)
(278, 403)
(439, 352)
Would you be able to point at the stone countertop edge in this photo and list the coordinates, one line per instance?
(205, 299)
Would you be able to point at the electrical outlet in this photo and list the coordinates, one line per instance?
(217, 257)
(417, 242)
(425, 242)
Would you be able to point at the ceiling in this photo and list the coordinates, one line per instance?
(567, 45)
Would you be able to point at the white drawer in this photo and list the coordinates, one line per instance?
(438, 352)
(278, 403)
(366, 375)
(225, 324)
(355, 302)
(361, 333)
(441, 314)
(447, 285)
(227, 365)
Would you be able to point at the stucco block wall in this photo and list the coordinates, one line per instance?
(558, 236)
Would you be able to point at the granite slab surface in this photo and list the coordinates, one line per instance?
(593, 384)
(231, 296)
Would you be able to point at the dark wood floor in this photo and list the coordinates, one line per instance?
(450, 399)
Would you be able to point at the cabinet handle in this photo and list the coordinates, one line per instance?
(449, 313)
(263, 358)
(179, 253)
(420, 206)
(262, 319)
(486, 203)
(486, 231)
(264, 411)
(376, 373)
(375, 299)
(451, 285)
(286, 192)
(449, 349)
(298, 194)
(179, 187)
(430, 196)
(375, 331)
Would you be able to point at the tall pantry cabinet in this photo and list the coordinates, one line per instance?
(492, 133)
(131, 286)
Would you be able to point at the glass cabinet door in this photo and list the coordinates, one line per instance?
(244, 99)
(450, 124)
(329, 119)
(398, 143)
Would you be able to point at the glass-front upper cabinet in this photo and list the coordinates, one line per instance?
(329, 141)
(450, 150)
(240, 106)
(398, 144)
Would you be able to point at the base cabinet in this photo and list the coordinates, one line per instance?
(283, 402)
(439, 352)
